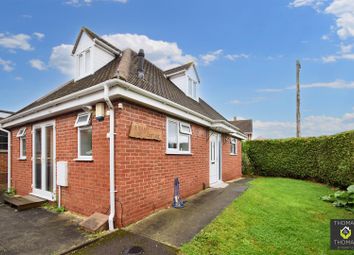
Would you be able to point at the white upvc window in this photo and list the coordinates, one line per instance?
(83, 119)
(21, 134)
(84, 63)
(233, 146)
(178, 137)
(84, 136)
(192, 88)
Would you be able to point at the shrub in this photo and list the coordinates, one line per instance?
(327, 159)
(342, 198)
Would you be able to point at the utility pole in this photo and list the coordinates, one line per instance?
(298, 116)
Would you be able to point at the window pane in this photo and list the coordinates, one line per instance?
(194, 89)
(86, 142)
(87, 61)
(23, 139)
(183, 142)
(172, 135)
(190, 85)
(81, 64)
(184, 128)
(3, 141)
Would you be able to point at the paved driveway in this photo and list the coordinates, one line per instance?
(178, 226)
(36, 231)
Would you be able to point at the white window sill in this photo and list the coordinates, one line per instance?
(178, 153)
(22, 158)
(84, 159)
(233, 154)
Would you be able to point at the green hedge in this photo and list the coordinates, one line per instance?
(326, 159)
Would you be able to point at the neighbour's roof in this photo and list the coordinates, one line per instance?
(5, 113)
(178, 68)
(246, 126)
(154, 81)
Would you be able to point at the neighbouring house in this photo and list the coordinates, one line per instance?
(246, 126)
(3, 151)
(117, 135)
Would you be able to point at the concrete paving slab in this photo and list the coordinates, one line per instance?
(178, 226)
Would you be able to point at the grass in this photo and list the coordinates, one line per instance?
(274, 216)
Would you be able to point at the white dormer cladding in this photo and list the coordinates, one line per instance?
(188, 82)
(89, 57)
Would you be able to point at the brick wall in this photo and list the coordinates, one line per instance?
(231, 164)
(21, 170)
(144, 172)
(3, 170)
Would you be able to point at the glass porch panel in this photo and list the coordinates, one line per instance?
(49, 158)
(38, 158)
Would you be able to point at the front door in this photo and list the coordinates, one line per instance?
(44, 160)
(214, 157)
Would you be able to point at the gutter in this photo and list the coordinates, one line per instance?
(111, 158)
(8, 158)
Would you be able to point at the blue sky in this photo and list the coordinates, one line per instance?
(245, 51)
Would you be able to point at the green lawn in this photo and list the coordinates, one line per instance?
(274, 216)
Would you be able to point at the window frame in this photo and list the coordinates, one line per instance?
(79, 156)
(4, 143)
(233, 144)
(84, 63)
(179, 134)
(85, 123)
(192, 88)
(21, 134)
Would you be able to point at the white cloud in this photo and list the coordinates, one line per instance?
(211, 56)
(310, 126)
(252, 100)
(343, 10)
(337, 84)
(325, 37)
(38, 64)
(162, 53)
(235, 57)
(18, 78)
(38, 35)
(78, 3)
(345, 53)
(19, 41)
(316, 4)
(61, 59)
(6, 65)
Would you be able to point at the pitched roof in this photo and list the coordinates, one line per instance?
(154, 81)
(246, 126)
(105, 73)
(178, 68)
(92, 35)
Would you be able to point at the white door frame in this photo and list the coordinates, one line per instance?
(218, 157)
(49, 195)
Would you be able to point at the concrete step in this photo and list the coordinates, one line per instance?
(24, 202)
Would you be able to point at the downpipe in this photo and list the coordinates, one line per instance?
(111, 158)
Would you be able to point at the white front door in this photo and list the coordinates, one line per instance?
(44, 174)
(214, 141)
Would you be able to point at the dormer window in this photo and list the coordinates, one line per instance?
(84, 63)
(192, 88)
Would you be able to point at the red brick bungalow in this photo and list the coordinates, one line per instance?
(123, 129)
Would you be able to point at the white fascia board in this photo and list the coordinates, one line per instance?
(158, 105)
